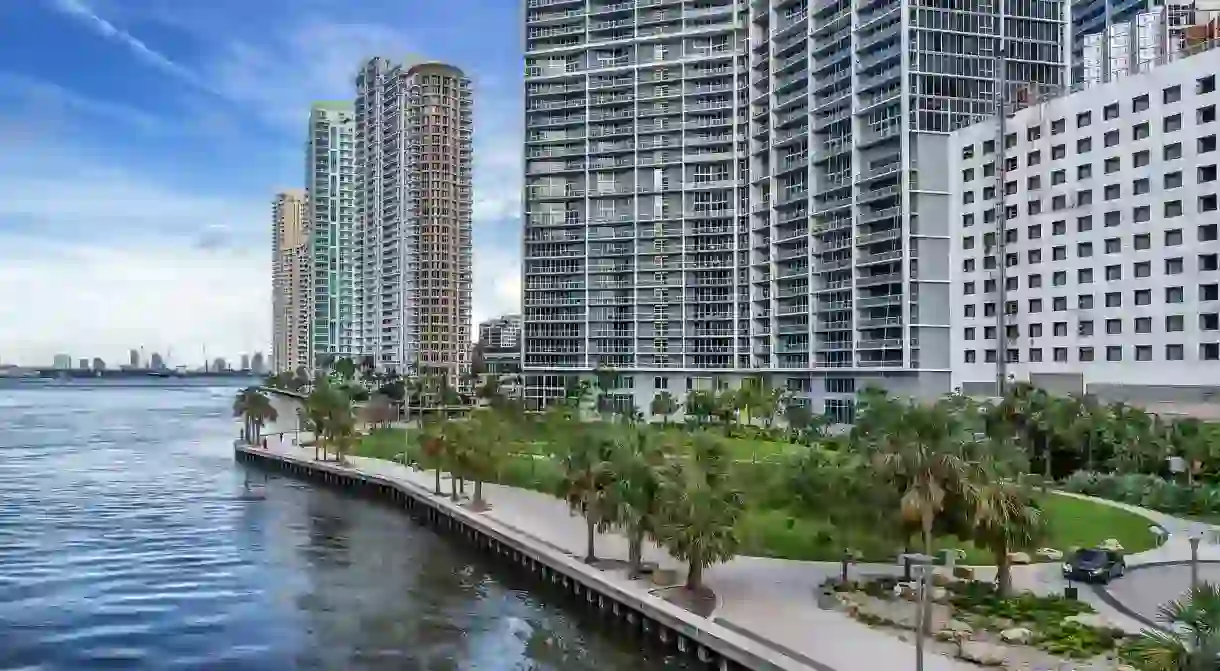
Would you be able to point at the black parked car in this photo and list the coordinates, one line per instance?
(1094, 565)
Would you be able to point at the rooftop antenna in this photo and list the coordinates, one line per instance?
(1001, 93)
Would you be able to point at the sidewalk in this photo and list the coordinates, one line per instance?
(772, 601)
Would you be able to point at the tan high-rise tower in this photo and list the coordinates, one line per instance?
(291, 296)
(414, 127)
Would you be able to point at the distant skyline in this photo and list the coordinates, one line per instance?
(135, 192)
(118, 359)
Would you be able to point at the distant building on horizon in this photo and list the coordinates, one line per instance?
(134, 357)
(245, 362)
(501, 333)
(258, 364)
(291, 273)
(219, 365)
(155, 362)
(98, 364)
(62, 361)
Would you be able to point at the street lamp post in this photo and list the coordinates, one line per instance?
(923, 565)
(1194, 560)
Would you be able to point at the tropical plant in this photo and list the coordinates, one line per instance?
(490, 432)
(586, 462)
(1005, 518)
(255, 409)
(700, 507)
(330, 413)
(637, 467)
(1192, 642)
(1187, 439)
(379, 411)
(432, 449)
(700, 405)
(345, 368)
(663, 405)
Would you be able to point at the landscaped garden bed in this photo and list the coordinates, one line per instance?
(970, 621)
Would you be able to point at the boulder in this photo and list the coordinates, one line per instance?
(983, 654)
(940, 579)
(940, 594)
(1016, 635)
(1050, 554)
(963, 573)
(1018, 557)
(907, 593)
(1124, 667)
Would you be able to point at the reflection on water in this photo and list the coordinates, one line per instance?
(125, 543)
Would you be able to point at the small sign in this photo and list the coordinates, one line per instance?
(1177, 465)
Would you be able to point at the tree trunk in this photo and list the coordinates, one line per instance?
(925, 620)
(453, 493)
(1003, 573)
(635, 551)
(438, 481)
(590, 538)
(478, 493)
(694, 574)
(1046, 465)
(462, 485)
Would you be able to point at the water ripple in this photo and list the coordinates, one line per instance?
(123, 546)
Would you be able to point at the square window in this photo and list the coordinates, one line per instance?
(1205, 114)
(1171, 95)
(1207, 232)
(1174, 323)
(1143, 324)
(1206, 144)
(1084, 249)
(1109, 111)
(1143, 297)
(1207, 263)
(1173, 352)
(1141, 158)
(1141, 214)
(1173, 179)
(1140, 131)
(1113, 273)
(1084, 145)
(1084, 276)
(1058, 126)
(1173, 209)
(1114, 299)
(1209, 292)
(1114, 353)
(1113, 245)
(1143, 241)
(1114, 326)
(1060, 329)
(1173, 266)
(1208, 203)
(1143, 352)
(1112, 192)
(1206, 173)
(1112, 164)
(1059, 278)
(1084, 302)
(1205, 84)
(1143, 269)
(1174, 295)
(1139, 103)
(1172, 152)
(1141, 186)
(1173, 123)
(1084, 328)
(1085, 354)
(1110, 139)
(1173, 237)
(1060, 354)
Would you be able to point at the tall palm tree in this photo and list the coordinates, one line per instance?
(637, 467)
(1188, 440)
(488, 438)
(432, 450)
(700, 507)
(1193, 642)
(255, 409)
(1005, 519)
(586, 463)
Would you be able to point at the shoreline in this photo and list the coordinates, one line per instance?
(727, 647)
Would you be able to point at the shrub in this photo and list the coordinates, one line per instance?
(1148, 491)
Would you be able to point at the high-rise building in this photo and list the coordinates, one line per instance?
(1107, 279)
(258, 364)
(1114, 38)
(83, 364)
(501, 333)
(330, 179)
(62, 361)
(738, 189)
(219, 365)
(414, 157)
(291, 295)
(98, 364)
(245, 362)
(133, 357)
(155, 361)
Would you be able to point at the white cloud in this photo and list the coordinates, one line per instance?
(497, 283)
(81, 12)
(87, 300)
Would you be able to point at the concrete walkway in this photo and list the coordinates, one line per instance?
(772, 601)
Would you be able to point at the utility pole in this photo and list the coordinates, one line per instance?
(1001, 94)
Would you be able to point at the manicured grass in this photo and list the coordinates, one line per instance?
(1079, 523)
(385, 443)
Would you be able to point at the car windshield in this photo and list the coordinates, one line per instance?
(1090, 557)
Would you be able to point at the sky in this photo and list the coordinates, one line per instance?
(141, 142)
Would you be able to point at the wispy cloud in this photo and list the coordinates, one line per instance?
(47, 99)
(81, 12)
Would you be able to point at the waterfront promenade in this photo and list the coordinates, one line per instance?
(769, 602)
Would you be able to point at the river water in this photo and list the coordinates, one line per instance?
(124, 544)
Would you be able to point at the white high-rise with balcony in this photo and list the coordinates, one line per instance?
(721, 189)
(414, 132)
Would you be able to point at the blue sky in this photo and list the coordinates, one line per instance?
(141, 142)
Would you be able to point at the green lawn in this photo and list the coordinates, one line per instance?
(772, 531)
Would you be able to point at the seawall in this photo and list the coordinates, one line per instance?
(670, 625)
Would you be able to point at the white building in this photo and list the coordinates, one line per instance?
(414, 131)
(1108, 274)
(330, 178)
(501, 333)
(744, 188)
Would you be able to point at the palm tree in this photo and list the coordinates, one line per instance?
(1193, 642)
(1005, 519)
(255, 409)
(637, 466)
(432, 449)
(345, 368)
(1187, 440)
(700, 404)
(663, 405)
(490, 433)
(328, 411)
(587, 467)
(700, 507)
